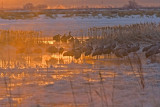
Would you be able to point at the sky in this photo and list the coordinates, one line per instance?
(72, 3)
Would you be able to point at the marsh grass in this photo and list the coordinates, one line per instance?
(113, 91)
(73, 93)
(140, 71)
(141, 82)
(136, 33)
(23, 43)
(103, 91)
(8, 89)
(91, 101)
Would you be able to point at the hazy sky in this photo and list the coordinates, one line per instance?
(53, 3)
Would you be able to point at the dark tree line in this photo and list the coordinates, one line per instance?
(132, 4)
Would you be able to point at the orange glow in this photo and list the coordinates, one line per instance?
(75, 3)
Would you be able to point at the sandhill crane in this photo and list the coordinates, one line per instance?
(113, 45)
(71, 40)
(52, 49)
(158, 51)
(69, 36)
(121, 52)
(77, 54)
(150, 46)
(109, 48)
(69, 53)
(133, 48)
(51, 61)
(147, 48)
(57, 38)
(76, 42)
(87, 50)
(152, 51)
(61, 50)
(107, 51)
(64, 38)
(98, 51)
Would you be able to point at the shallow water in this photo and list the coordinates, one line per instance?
(29, 80)
(61, 25)
(104, 82)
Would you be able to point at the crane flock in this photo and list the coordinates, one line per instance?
(97, 42)
(120, 41)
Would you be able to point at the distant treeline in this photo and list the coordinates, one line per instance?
(84, 13)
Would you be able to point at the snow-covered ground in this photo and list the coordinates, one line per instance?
(61, 25)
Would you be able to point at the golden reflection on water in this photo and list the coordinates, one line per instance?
(18, 100)
(32, 61)
(41, 77)
(27, 69)
(51, 42)
(23, 55)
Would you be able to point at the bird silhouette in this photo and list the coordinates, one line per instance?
(71, 40)
(77, 54)
(152, 51)
(76, 42)
(87, 50)
(98, 51)
(107, 51)
(64, 38)
(69, 53)
(61, 50)
(150, 46)
(109, 48)
(52, 49)
(147, 48)
(57, 38)
(69, 36)
(51, 61)
(121, 52)
(133, 48)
